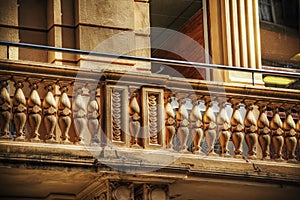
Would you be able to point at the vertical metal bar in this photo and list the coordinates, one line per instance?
(253, 78)
(7, 51)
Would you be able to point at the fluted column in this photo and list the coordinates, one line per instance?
(34, 111)
(196, 125)
(19, 110)
(264, 131)
(209, 120)
(290, 134)
(237, 128)
(276, 126)
(169, 122)
(223, 127)
(250, 124)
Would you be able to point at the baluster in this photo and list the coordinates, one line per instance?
(250, 124)
(196, 125)
(277, 133)
(298, 130)
(264, 131)
(237, 128)
(50, 112)
(210, 126)
(80, 112)
(134, 121)
(34, 112)
(19, 110)
(290, 133)
(169, 122)
(64, 113)
(5, 110)
(223, 127)
(93, 117)
(182, 125)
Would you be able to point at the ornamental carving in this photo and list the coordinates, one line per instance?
(169, 123)
(196, 126)
(223, 129)
(277, 134)
(64, 113)
(50, 111)
(250, 124)
(93, 118)
(152, 116)
(80, 113)
(5, 110)
(237, 129)
(134, 121)
(264, 131)
(290, 134)
(34, 112)
(19, 110)
(182, 124)
(209, 120)
(116, 115)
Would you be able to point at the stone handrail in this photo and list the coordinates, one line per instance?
(46, 103)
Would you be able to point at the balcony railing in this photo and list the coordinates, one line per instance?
(58, 104)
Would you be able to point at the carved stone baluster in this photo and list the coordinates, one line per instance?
(169, 123)
(264, 131)
(93, 117)
(5, 110)
(34, 112)
(210, 126)
(223, 127)
(134, 121)
(290, 134)
(80, 112)
(19, 110)
(237, 128)
(277, 134)
(250, 124)
(196, 126)
(298, 131)
(182, 125)
(64, 113)
(50, 112)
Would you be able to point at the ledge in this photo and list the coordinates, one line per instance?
(137, 161)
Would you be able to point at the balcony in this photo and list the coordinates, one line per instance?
(78, 119)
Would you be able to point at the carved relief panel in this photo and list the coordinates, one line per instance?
(153, 117)
(116, 107)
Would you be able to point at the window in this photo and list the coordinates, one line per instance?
(282, 12)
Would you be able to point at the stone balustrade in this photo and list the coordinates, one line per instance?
(150, 112)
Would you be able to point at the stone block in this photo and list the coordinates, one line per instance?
(143, 46)
(110, 13)
(106, 40)
(9, 12)
(141, 18)
(9, 34)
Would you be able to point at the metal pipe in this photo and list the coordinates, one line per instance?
(152, 60)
